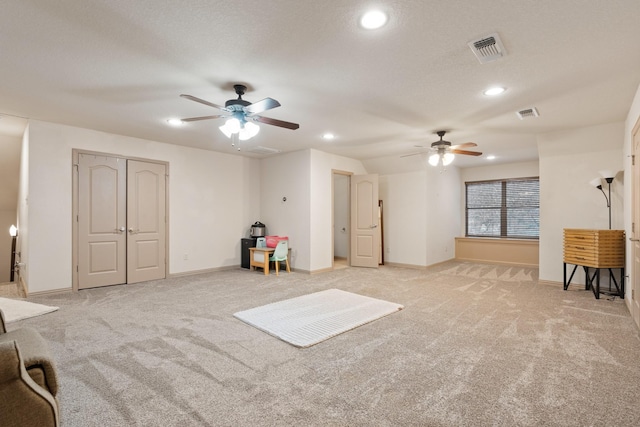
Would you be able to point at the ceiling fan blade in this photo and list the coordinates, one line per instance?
(275, 122)
(464, 145)
(202, 101)
(195, 119)
(413, 154)
(261, 106)
(466, 152)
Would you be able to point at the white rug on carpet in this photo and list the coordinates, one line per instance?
(309, 319)
(15, 309)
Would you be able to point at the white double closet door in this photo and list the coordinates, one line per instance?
(121, 221)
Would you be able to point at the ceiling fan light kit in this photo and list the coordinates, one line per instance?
(245, 130)
(444, 158)
(241, 115)
(442, 152)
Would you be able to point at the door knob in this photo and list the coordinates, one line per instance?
(132, 231)
(122, 229)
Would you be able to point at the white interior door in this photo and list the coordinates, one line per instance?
(121, 216)
(364, 221)
(635, 228)
(146, 221)
(101, 221)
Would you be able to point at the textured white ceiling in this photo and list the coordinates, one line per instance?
(119, 66)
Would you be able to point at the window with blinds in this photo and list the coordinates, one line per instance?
(503, 208)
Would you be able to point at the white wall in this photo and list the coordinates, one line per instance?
(500, 171)
(287, 175)
(404, 199)
(443, 213)
(305, 178)
(421, 215)
(568, 161)
(321, 174)
(213, 199)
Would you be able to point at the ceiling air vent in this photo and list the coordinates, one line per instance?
(263, 150)
(528, 113)
(488, 48)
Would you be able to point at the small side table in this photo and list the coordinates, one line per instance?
(595, 249)
(264, 263)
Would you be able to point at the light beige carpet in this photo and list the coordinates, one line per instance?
(15, 309)
(475, 345)
(310, 319)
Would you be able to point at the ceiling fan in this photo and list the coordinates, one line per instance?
(242, 114)
(443, 152)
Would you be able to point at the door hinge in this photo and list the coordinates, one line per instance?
(633, 160)
(77, 269)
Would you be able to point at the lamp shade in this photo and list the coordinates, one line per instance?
(596, 182)
(13, 230)
(248, 131)
(447, 158)
(245, 130)
(230, 127)
(224, 129)
(434, 159)
(607, 174)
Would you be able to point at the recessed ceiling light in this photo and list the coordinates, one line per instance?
(175, 122)
(373, 19)
(491, 157)
(494, 91)
(328, 136)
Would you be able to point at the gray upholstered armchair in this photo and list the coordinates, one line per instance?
(28, 382)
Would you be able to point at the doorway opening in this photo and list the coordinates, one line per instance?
(341, 219)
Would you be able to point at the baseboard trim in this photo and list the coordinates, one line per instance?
(416, 266)
(203, 271)
(401, 265)
(510, 264)
(50, 292)
(550, 283)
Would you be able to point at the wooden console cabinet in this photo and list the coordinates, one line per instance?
(595, 249)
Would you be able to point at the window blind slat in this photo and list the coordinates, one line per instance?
(503, 208)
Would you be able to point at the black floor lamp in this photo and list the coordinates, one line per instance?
(13, 231)
(608, 176)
